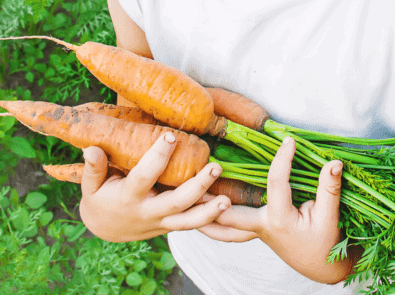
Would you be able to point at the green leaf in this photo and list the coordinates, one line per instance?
(6, 123)
(27, 94)
(134, 279)
(45, 218)
(77, 232)
(148, 287)
(40, 67)
(4, 202)
(21, 147)
(68, 229)
(139, 265)
(60, 20)
(55, 60)
(339, 251)
(167, 261)
(31, 232)
(44, 255)
(50, 72)
(14, 197)
(30, 61)
(42, 45)
(21, 220)
(35, 200)
(29, 77)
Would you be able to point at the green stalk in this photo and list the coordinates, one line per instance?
(297, 158)
(255, 154)
(321, 136)
(378, 208)
(240, 138)
(355, 158)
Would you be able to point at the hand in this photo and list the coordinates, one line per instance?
(302, 237)
(120, 209)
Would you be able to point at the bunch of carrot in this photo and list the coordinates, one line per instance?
(168, 96)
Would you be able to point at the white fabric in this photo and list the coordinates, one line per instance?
(324, 65)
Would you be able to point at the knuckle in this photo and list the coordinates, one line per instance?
(204, 185)
(333, 189)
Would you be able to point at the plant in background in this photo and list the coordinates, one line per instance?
(41, 253)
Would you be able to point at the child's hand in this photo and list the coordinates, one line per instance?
(120, 209)
(302, 238)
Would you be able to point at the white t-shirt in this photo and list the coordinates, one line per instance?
(323, 65)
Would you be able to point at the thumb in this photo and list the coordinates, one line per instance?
(95, 170)
(328, 192)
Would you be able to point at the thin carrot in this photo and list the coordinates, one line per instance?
(120, 112)
(124, 142)
(239, 192)
(238, 108)
(160, 90)
(72, 172)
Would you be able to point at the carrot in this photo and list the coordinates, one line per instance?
(239, 192)
(162, 91)
(124, 142)
(72, 172)
(238, 108)
(119, 112)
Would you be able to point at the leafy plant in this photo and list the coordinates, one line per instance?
(39, 255)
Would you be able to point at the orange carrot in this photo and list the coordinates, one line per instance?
(239, 192)
(72, 172)
(124, 142)
(238, 108)
(120, 112)
(162, 91)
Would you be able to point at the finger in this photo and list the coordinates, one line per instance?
(144, 175)
(328, 192)
(226, 234)
(243, 218)
(279, 196)
(197, 216)
(186, 194)
(95, 170)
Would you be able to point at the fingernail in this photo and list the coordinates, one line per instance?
(222, 207)
(336, 170)
(170, 138)
(287, 140)
(215, 172)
